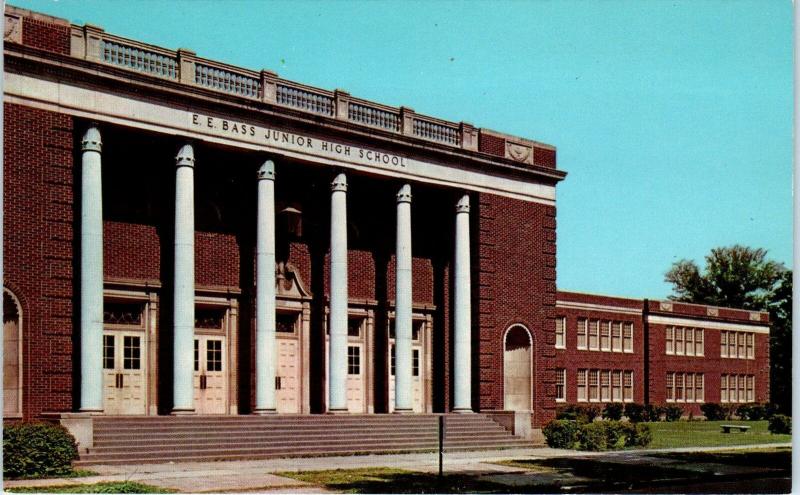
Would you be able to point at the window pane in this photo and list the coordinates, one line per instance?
(616, 337)
(213, 355)
(560, 332)
(679, 341)
(616, 386)
(699, 395)
(679, 387)
(581, 385)
(605, 335)
(723, 344)
(196, 355)
(415, 362)
(354, 360)
(670, 386)
(689, 387)
(582, 334)
(354, 327)
(628, 337)
(670, 338)
(690, 341)
(561, 380)
(593, 385)
(131, 353)
(740, 340)
(628, 383)
(594, 335)
(699, 342)
(416, 330)
(750, 388)
(285, 322)
(750, 346)
(391, 360)
(108, 352)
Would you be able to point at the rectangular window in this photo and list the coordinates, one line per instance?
(108, 352)
(353, 360)
(354, 327)
(285, 322)
(415, 362)
(750, 346)
(731, 345)
(616, 386)
(699, 389)
(594, 335)
(561, 332)
(670, 387)
(740, 340)
(605, 386)
(594, 385)
(213, 355)
(392, 360)
(605, 336)
(196, 355)
(699, 342)
(750, 388)
(670, 338)
(561, 384)
(742, 389)
(723, 344)
(628, 383)
(627, 335)
(679, 341)
(723, 388)
(581, 385)
(582, 333)
(689, 341)
(679, 397)
(131, 353)
(416, 330)
(689, 382)
(616, 337)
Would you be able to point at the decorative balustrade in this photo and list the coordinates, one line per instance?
(138, 59)
(439, 132)
(374, 117)
(184, 66)
(226, 81)
(304, 100)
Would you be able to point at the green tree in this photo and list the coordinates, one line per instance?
(743, 277)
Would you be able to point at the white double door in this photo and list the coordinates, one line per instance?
(210, 374)
(124, 372)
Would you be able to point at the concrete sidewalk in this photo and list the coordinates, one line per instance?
(256, 475)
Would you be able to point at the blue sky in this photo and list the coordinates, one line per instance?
(673, 118)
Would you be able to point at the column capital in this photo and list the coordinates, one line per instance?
(404, 194)
(91, 140)
(339, 183)
(266, 171)
(463, 204)
(185, 157)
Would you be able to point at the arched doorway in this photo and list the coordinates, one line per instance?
(517, 369)
(12, 356)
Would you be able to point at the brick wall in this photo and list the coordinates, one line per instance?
(515, 284)
(38, 245)
(54, 37)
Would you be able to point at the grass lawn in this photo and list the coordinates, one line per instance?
(105, 487)
(709, 434)
(389, 480)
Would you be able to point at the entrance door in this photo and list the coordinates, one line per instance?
(417, 379)
(123, 372)
(287, 377)
(356, 365)
(517, 366)
(210, 382)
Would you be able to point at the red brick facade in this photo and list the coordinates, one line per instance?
(513, 259)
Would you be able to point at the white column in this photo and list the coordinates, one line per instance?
(403, 302)
(266, 352)
(91, 273)
(183, 333)
(462, 361)
(337, 323)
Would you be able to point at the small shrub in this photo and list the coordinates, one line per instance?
(615, 434)
(634, 412)
(743, 411)
(757, 412)
(637, 435)
(569, 412)
(561, 433)
(612, 411)
(780, 424)
(593, 436)
(673, 413)
(771, 410)
(37, 449)
(713, 411)
(590, 413)
(652, 413)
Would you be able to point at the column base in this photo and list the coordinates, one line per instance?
(338, 411)
(265, 411)
(462, 410)
(183, 412)
(403, 411)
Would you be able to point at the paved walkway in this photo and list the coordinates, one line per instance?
(256, 475)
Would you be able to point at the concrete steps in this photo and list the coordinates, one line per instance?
(130, 440)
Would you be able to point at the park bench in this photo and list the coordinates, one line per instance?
(728, 428)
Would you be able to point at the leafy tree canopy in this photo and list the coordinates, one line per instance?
(735, 277)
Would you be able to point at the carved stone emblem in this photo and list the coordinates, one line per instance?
(665, 306)
(13, 29)
(755, 316)
(518, 152)
(712, 312)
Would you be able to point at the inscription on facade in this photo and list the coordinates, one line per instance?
(295, 142)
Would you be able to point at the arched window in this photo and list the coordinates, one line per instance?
(12, 356)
